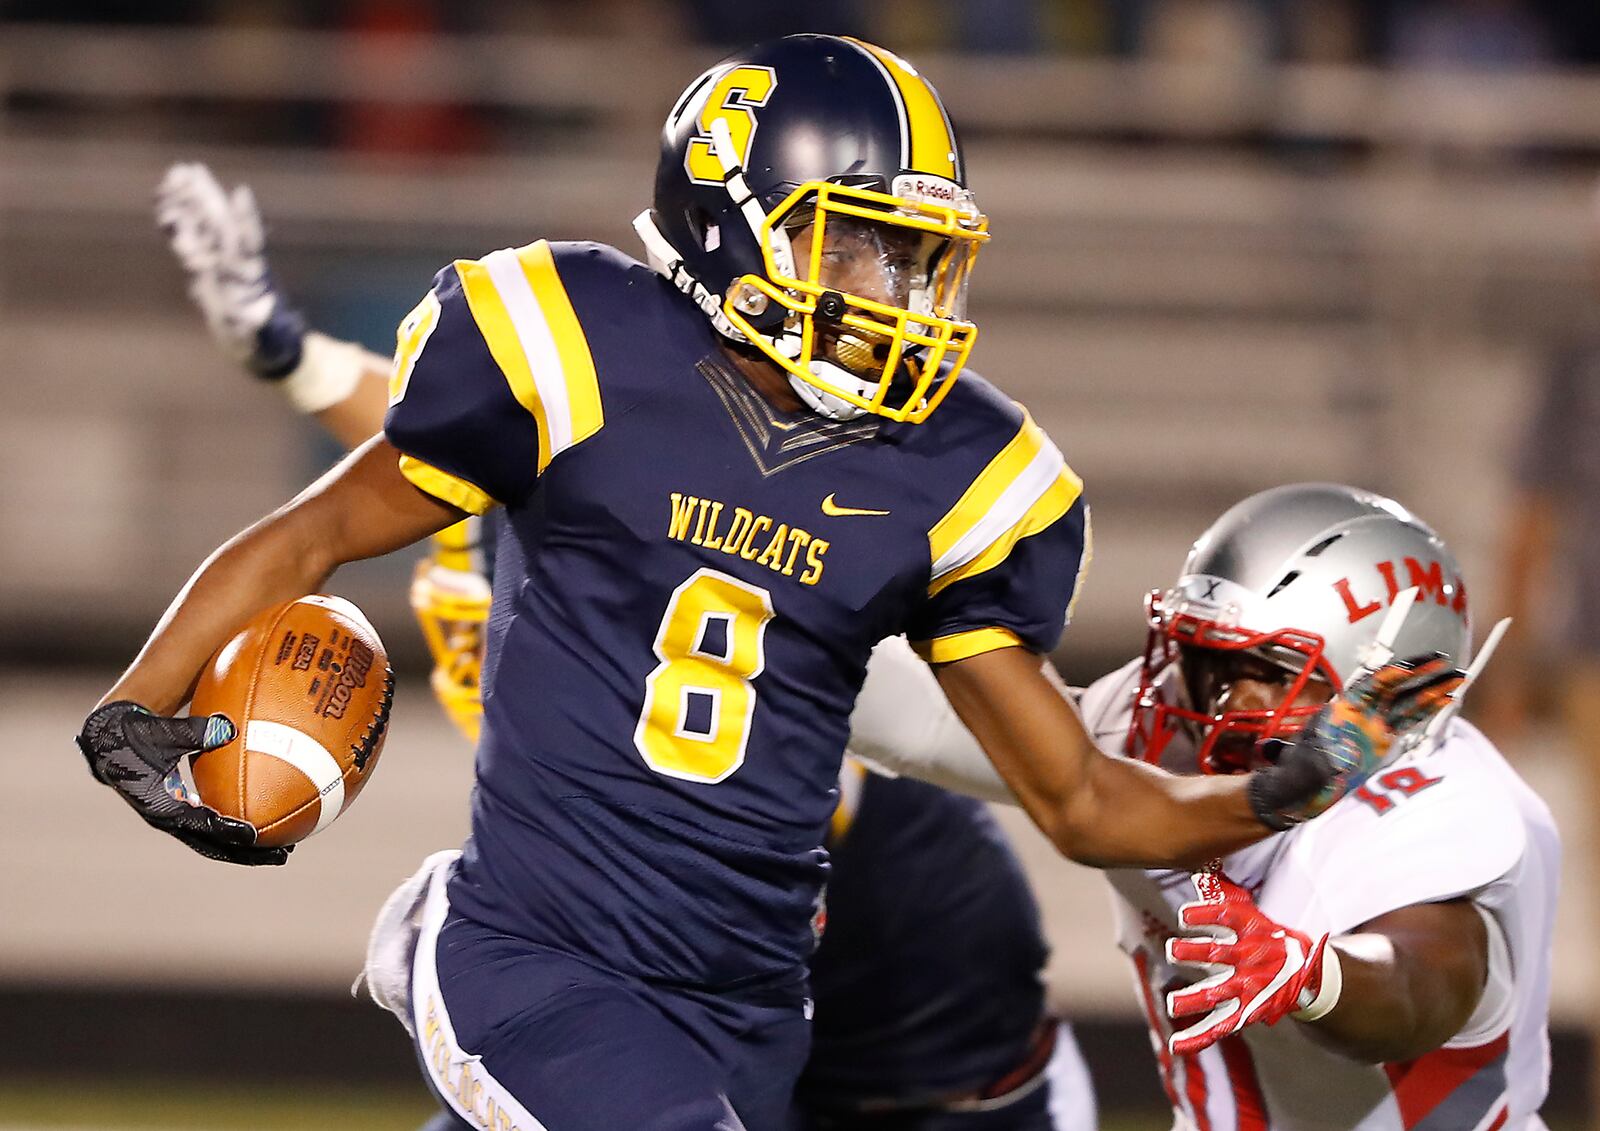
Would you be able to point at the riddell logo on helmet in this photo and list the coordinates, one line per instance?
(924, 189)
(1428, 580)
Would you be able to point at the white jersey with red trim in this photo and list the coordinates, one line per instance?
(1452, 822)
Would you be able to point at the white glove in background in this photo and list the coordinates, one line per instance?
(217, 237)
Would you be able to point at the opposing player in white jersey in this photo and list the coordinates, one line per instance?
(1384, 968)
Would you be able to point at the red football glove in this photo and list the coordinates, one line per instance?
(1260, 971)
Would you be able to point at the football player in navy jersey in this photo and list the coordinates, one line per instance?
(930, 1011)
(723, 480)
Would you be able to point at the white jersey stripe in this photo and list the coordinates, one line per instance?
(538, 344)
(1008, 510)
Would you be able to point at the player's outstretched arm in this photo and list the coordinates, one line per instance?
(1394, 989)
(362, 508)
(1112, 811)
(219, 240)
(1095, 808)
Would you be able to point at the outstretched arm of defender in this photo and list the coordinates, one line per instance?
(364, 507)
(1014, 736)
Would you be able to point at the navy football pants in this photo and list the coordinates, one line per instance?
(512, 1035)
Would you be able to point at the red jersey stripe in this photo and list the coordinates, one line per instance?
(1247, 1094)
(1423, 1084)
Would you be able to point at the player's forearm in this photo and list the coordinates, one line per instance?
(1129, 814)
(1096, 808)
(274, 560)
(1401, 996)
(354, 418)
(364, 507)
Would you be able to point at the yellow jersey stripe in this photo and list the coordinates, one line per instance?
(444, 486)
(960, 645)
(974, 522)
(1056, 500)
(980, 496)
(576, 362)
(410, 338)
(852, 780)
(494, 323)
(933, 146)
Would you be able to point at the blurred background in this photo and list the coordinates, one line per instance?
(1237, 243)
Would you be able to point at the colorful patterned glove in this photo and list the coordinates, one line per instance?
(1350, 739)
(1259, 971)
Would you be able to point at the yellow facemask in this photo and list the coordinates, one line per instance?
(875, 287)
(451, 598)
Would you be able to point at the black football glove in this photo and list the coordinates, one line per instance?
(134, 751)
(1350, 739)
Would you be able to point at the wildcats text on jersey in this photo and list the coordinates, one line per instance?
(754, 537)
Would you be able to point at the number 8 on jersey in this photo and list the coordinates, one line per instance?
(699, 700)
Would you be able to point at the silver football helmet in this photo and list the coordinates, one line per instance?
(1298, 577)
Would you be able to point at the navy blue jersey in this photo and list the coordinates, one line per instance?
(688, 583)
(927, 980)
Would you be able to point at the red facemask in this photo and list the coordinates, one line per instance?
(1228, 742)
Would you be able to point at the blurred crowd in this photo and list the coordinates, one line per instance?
(1455, 33)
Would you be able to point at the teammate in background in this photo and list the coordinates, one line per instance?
(684, 608)
(1384, 967)
(929, 1005)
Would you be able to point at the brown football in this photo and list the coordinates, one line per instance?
(307, 684)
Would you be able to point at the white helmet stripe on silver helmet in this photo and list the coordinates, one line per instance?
(1328, 559)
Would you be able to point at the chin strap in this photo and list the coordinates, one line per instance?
(745, 200)
(665, 260)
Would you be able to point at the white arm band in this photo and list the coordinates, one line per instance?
(1332, 986)
(329, 371)
(903, 725)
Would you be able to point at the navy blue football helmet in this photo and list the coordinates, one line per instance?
(811, 200)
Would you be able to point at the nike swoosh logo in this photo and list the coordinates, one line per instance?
(834, 510)
(1293, 959)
